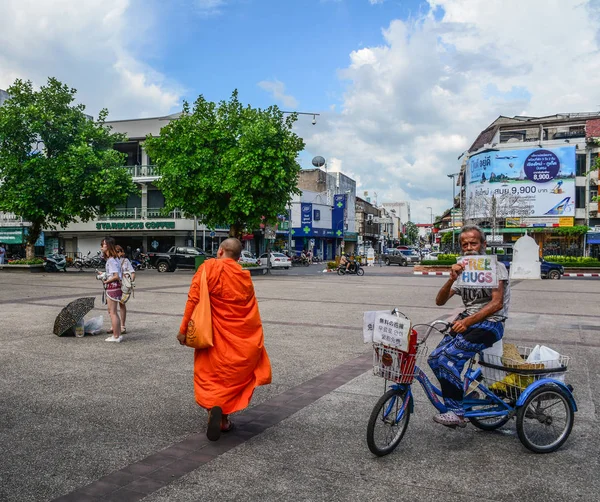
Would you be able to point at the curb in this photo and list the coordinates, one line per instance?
(571, 274)
(432, 273)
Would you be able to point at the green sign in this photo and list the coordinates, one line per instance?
(11, 235)
(351, 236)
(136, 225)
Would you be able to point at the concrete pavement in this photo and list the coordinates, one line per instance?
(81, 419)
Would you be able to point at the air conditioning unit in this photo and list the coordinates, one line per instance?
(369, 217)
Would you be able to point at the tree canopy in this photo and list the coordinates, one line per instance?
(56, 164)
(228, 164)
(411, 232)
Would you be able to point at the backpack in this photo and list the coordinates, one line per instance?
(127, 285)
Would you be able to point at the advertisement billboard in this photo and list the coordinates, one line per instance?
(532, 182)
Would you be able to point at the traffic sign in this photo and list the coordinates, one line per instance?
(212, 234)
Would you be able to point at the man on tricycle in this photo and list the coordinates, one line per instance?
(478, 327)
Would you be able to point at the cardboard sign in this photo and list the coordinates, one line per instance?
(369, 319)
(480, 272)
(392, 330)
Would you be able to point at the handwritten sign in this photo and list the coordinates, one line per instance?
(369, 319)
(391, 330)
(480, 272)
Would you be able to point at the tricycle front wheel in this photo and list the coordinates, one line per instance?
(386, 428)
(545, 420)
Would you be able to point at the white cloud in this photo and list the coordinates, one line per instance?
(375, 2)
(277, 90)
(209, 7)
(414, 103)
(89, 46)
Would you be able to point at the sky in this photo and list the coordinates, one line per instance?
(402, 87)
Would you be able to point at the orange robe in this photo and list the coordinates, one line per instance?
(226, 374)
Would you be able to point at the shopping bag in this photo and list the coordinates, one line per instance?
(549, 357)
(199, 333)
(93, 326)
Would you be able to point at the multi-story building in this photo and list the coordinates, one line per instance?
(535, 175)
(368, 230)
(324, 216)
(140, 222)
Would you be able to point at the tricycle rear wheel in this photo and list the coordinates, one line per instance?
(545, 420)
(385, 431)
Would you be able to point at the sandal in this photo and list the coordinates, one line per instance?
(110, 331)
(123, 330)
(228, 428)
(450, 419)
(213, 431)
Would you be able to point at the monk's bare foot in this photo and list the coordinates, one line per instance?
(226, 424)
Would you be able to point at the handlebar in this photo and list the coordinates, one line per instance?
(432, 326)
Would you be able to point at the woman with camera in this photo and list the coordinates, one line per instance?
(112, 284)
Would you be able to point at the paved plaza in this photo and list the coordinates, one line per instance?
(85, 420)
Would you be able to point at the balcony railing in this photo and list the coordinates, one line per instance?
(144, 171)
(138, 213)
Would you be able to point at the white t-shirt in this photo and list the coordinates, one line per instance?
(475, 299)
(126, 266)
(113, 267)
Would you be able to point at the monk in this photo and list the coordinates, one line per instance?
(226, 374)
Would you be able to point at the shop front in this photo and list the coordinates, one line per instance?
(14, 240)
(593, 241)
(146, 235)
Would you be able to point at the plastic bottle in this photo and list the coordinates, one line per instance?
(80, 328)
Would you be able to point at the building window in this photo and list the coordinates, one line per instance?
(579, 197)
(593, 193)
(580, 167)
(316, 214)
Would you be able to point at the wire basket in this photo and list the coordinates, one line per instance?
(396, 365)
(508, 375)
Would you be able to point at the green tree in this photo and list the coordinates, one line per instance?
(56, 165)
(227, 163)
(447, 238)
(411, 232)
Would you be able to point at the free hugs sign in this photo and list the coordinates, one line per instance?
(480, 271)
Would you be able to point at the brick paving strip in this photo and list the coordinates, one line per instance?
(141, 478)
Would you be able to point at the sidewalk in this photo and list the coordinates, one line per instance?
(82, 419)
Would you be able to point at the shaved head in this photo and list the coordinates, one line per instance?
(232, 248)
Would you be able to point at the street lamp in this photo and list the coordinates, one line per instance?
(452, 177)
(431, 229)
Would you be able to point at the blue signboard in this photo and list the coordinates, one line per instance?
(337, 215)
(306, 218)
(593, 238)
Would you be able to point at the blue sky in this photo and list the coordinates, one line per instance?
(403, 86)
(301, 43)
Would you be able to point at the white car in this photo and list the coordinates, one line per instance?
(432, 256)
(278, 260)
(247, 257)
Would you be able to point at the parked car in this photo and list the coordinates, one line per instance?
(549, 270)
(401, 257)
(278, 260)
(176, 257)
(432, 256)
(247, 257)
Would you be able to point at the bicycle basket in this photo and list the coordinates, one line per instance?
(396, 365)
(508, 375)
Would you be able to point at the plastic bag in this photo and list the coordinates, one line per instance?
(549, 357)
(93, 326)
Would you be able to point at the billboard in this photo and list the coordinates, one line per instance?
(532, 182)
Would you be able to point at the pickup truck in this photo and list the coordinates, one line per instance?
(176, 257)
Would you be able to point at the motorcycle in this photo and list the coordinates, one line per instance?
(300, 261)
(55, 263)
(140, 262)
(355, 269)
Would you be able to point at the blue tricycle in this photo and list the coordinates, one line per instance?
(496, 389)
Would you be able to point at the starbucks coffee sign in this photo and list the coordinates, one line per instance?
(136, 225)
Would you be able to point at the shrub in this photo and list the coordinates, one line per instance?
(331, 265)
(249, 265)
(439, 262)
(448, 257)
(31, 261)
